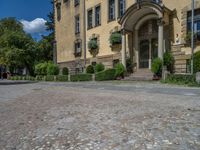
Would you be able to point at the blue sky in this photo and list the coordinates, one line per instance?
(32, 13)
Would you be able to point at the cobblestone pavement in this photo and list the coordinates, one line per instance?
(99, 116)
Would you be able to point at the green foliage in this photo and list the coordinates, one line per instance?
(65, 71)
(92, 44)
(181, 79)
(168, 61)
(90, 69)
(197, 62)
(16, 47)
(41, 69)
(99, 67)
(39, 77)
(52, 69)
(156, 67)
(81, 77)
(115, 38)
(108, 74)
(62, 78)
(46, 68)
(49, 78)
(129, 65)
(120, 70)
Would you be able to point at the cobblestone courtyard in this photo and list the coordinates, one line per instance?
(99, 116)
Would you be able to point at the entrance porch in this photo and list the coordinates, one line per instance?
(143, 31)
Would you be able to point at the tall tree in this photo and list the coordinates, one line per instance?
(17, 49)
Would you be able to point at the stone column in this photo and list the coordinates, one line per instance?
(150, 53)
(160, 38)
(136, 48)
(123, 51)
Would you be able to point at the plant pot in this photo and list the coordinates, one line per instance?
(116, 47)
(94, 52)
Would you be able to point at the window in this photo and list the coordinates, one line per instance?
(77, 24)
(77, 51)
(58, 7)
(122, 7)
(111, 10)
(196, 23)
(76, 2)
(90, 20)
(97, 15)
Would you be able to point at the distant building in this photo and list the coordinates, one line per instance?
(147, 28)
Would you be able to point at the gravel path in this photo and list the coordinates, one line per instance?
(99, 116)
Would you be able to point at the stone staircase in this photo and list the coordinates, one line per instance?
(140, 75)
(180, 59)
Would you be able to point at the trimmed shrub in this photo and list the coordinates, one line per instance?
(52, 69)
(39, 77)
(99, 67)
(156, 67)
(108, 74)
(81, 77)
(90, 69)
(168, 61)
(120, 70)
(49, 78)
(181, 79)
(65, 71)
(62, 78)
(197, 62)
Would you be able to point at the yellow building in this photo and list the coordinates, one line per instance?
(111, 31)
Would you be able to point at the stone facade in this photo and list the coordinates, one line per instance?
(170, 36)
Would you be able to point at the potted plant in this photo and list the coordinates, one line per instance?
(156, 68)
(115, 41)
(93, 47)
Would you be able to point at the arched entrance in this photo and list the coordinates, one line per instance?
(143, 25)
(148, 43)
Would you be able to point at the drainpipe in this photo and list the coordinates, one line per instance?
(192, 39)
(84, 30)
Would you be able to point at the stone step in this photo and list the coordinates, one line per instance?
(180, 62)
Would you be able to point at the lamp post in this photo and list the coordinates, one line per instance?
(192, 39)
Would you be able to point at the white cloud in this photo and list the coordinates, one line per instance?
(35, 26)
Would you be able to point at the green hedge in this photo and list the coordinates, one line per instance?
(49, 78)
(181, 79)
(108, 74)
(81, 77)
(39, 78)
(63, 78)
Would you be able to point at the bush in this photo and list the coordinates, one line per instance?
(90, 69)
(156, 67)
(181, 79)
(99, 67)
(81, 77)
(65, 71)
(62, 78)
(108, 74)
(41, 69)
(52, 69)
(115, 38)
(168, 61)
(197, 62)
(120, 70)
(49, 78)
(39, 77)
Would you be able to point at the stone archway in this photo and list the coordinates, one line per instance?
(134, 18)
